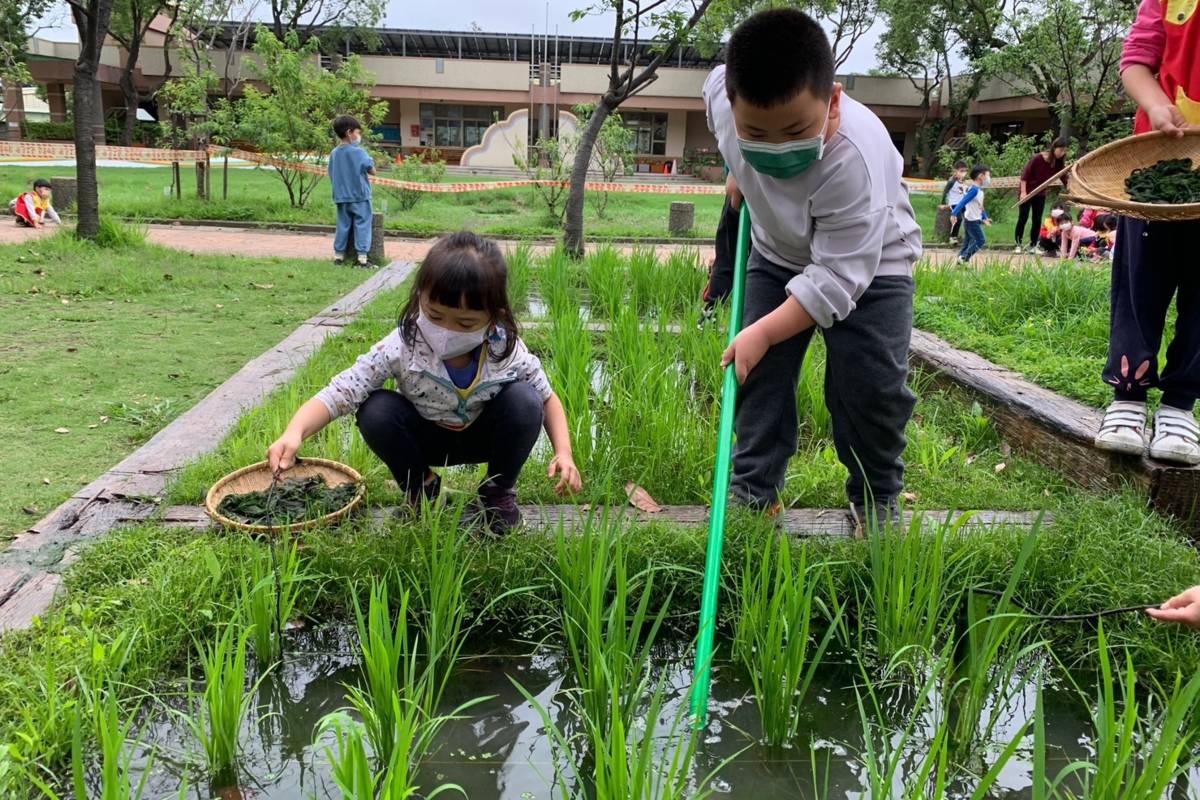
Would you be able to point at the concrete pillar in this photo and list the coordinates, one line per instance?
(66, 191)
(682, 218)
(14, 110)
(56, 98)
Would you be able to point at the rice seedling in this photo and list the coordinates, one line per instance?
(607, 281)
(223, 707)
(351, 767)
(683, 282)
(607, 624)
(811, 410)
(1143, 742)
(268, 595)
(773, 637)
(911, 575)
(645, 278)
(570, 372)
(558, 283)
(520, 276)
(988, 658)
(389, 665)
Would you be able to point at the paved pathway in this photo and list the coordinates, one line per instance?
(293, 244)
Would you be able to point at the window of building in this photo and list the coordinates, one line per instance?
(454, 125)
(1003, 131)
(649, 133)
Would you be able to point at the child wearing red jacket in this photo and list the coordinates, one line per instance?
(32, 209)
(1161, 72)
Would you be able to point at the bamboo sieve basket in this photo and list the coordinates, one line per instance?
(257, 477)
(1098, 178)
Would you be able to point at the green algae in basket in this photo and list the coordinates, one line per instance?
(1171, 181)
(287, 501)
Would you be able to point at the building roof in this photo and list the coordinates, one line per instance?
(498, 46)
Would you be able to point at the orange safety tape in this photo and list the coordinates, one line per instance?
(155, 155)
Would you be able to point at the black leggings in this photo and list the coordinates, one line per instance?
(502, 436)
(1034, 207)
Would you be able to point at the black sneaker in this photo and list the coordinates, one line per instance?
(339, 259)
(495, 512)
(883, 515)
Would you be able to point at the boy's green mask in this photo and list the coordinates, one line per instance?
(785, 159)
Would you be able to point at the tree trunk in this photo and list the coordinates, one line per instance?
(87, 203)
(573, 229)
(130, 91)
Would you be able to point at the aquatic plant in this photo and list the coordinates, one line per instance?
(607, 281)
(607, 623)
(268, 595)
(222, 708)
(520, 276)
(288, 500)
(571, 369)
(910, 586)
(773, 637)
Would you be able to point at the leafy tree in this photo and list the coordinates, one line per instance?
(187, 120)
(131, 20)
(306, 16)
(15, 18)
(674, 22)
(549, 164)
(291, 120)
(1068, 52)
(845, 21)
(613, 152)
(91, 20)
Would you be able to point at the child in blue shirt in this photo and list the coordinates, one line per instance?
(970, 209)
(349, 165)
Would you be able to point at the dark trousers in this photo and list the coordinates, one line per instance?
(973, 241)
(502, 436)
(866, 370)
(954, 229)
(1151, 264)
(720, 277)
(1034, 207)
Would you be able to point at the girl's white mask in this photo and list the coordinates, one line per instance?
(1064, 226)
(447, 343)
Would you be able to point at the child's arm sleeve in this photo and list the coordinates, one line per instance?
(946, 188)
(845, 250)
(349, 388)
(52, 215)
(1147, 39)
(529, 369)
(966, 198)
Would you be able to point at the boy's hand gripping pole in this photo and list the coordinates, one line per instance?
(716, 523)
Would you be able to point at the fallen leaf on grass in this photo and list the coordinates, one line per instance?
(30, 510)
(220, 306)
(1005, 449)
(640, 499)
(93, 425)
(46, 481)
(65, 301)
(263, 285)
(168, 276)
(1000, 467)
(62, 430)
(909, 497)
(72, 349)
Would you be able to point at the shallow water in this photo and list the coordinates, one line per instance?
(502, 753)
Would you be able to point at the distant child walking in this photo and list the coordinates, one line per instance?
(1161, 72)
(953, 191)
(970, 209)
(349, 166)
(468, 391)
(32, 209)
(834, 242)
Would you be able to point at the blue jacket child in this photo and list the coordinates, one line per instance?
(349, 165)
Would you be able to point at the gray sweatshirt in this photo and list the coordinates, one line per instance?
(840, 223)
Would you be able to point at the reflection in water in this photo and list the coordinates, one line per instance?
(502, 753)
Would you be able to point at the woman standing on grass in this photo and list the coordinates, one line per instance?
(467, 389)
(1161, 72)
(1038, 170)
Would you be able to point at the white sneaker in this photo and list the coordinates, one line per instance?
(1176, 436)
(1018, 250)
(1123, 429)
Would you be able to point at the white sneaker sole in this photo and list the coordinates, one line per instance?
(1120, 446)
(1162, 454)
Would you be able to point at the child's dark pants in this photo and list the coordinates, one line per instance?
(502, 436)
(866, 369)
(1150, 266)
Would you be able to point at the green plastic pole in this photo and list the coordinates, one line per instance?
(716, 523)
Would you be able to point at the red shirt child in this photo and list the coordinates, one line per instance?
(1165, 39)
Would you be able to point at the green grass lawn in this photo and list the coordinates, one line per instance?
(110, 345)
(259, 195)
(1049, 321)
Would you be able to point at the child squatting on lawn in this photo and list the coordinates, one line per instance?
(33, 209)
(468, 391)
(349, 166)
(834, 242)
(1161, 72)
